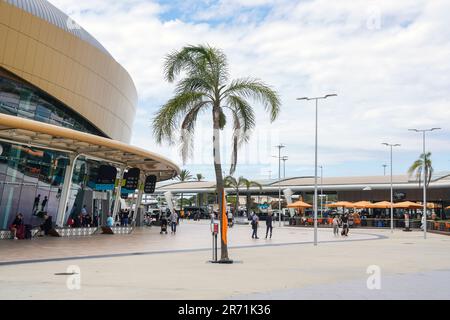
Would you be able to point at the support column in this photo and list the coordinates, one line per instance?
(66, 190)
(139, 195)
(118, 192)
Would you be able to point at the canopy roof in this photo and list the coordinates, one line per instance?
(42, 135)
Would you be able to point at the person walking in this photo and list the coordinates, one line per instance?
(269, 226)
(37, 200)
(345, 225)
(173, 222)
(230, 219)
(255, 222)
(44, 203)
(336, 226)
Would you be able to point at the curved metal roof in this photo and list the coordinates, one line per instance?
(38, 134)
(48, 12)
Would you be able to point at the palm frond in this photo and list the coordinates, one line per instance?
(255, 89)
(167, 118)
(188, 129)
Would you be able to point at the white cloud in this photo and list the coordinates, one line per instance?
(387, 60)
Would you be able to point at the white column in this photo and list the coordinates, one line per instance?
(66, 190)
(118, 192)
(139, 195)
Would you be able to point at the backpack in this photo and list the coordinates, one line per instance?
(28, 234)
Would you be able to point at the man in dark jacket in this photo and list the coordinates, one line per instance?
(255, 222)
(47, 225)
(269, 226)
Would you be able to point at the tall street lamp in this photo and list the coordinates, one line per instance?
(315, 160)
(321, 191)
(384, 168)
(280, 146)
(392, 186)
(425, 174)
(284, 165)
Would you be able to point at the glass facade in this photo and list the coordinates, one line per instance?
(31, 179)
(82, 191)
(23, 100)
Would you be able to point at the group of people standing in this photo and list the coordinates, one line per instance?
(255, 225)
(341, 222)
(173, 218)
(39, 206)
(82, 218)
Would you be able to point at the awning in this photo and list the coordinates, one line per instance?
(42, 135)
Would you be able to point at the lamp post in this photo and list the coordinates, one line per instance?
(425, 173)
(284, 165)
(392, 186)
(315, 159)
(280, 146)
(321, 191)
(384, 169)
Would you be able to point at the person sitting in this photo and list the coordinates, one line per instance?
(87, 221)
(47, 225)
(18, 228)
(70, 222)
(109, 221)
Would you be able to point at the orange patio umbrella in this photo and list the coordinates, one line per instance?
(299, 204)
(407, 205)
(431, 205)
(381, 205)
(362, 204)
(339, 204)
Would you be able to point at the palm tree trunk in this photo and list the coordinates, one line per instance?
(220, 185)
(181, 203)
(248, 203)
(236, 205)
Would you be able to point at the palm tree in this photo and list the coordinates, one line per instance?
(422, 165)
(184, 175)
(206, 86)
(235, 184)
(248, 184)
(199, 200)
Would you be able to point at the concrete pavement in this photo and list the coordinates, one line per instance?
(146, 265)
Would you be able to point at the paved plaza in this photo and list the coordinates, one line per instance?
(148, 265)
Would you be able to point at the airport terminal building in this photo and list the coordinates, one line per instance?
(66, 112)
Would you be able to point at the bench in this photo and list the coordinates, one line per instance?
(116, 230)
(72, 232)
(8, 235)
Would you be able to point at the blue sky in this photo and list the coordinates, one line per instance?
(386, 60)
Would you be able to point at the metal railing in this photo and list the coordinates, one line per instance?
(442, 226)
